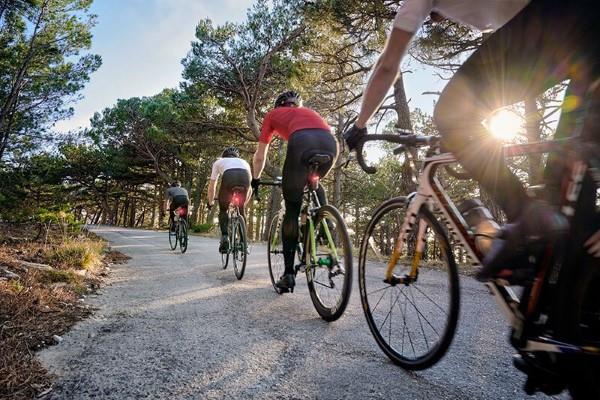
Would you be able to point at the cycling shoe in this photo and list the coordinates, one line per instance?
(539, 223)
(224, 245)
(286, 283)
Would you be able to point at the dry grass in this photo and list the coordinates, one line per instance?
(41, 304)
(31, 313)
(76, 254)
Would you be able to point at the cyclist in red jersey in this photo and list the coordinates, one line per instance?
(307, 134)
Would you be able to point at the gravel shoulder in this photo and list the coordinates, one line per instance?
(172, 326)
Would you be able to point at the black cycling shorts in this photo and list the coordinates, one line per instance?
(231, 178)
(302, 145)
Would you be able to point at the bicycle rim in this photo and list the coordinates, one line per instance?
(330, 279)
(239, 248)
(172, 238)
(275, 252)
(183, 236)
(413, 323)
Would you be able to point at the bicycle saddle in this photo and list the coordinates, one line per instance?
(240, 189)
(319, 159)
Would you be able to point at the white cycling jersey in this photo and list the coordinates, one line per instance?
(225, 163)
(483, 15)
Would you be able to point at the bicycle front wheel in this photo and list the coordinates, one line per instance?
(275, 252)
(329, 275)
(413, 317)
(172, 236)
(239, 248)
(183, 236)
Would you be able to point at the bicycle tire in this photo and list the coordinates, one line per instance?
(183, 236)
(239, 247)
(332, 313)
(275, 252)
(172, 236)
(445, 339)
(584, 329)
(225, 259)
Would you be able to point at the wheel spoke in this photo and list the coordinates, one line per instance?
(430, 299)
(419, 318)
(419, 312)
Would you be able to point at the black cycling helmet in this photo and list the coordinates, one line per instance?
(231, 152)
(290, 97)
(175, 183)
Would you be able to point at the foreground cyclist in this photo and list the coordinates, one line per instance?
(307, 134)
(234, 172)
(175, 197)
(536, 44)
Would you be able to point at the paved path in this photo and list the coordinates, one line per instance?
(172, 326)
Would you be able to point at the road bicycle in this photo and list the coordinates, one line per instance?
(178, 230)
(409, 281)
(236, 233)
(324, 248)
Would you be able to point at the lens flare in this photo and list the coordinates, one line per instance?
(504, 124)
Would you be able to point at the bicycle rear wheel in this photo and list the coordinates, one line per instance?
(225, 259)
(239, 246)
(183, 236)
(275, 252)
(330, 279)
(173, 236)
(413, 320)
(584, 329)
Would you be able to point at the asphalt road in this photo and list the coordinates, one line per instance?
(173, 326)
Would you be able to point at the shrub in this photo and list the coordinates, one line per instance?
(202, 228)
(59, 275)
(82, 254)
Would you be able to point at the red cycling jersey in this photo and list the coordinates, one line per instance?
(284, 121)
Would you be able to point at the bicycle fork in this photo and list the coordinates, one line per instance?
(407, 227)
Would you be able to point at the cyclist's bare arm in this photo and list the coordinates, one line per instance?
(384, 75)
(259, 159)
(212, 186)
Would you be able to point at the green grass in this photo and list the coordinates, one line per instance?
(60, 275)
(80, 254)
(202, 228)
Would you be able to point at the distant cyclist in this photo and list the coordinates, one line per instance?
(534, 45)
(307, 134)
(175, 197)
(234, 172)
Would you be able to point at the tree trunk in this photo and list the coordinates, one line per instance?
(250, 219)
(200, 183)
(9, 105)
(337, 169)
(132, 212)
(402, 109)
(533, 119)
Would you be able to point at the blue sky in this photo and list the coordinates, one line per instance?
(143, 41)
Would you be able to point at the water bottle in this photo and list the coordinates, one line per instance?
(481, 222)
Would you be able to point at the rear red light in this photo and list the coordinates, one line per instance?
(182, 212)
(314, 178)
(235, 200)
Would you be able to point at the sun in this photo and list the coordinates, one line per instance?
(504, 124)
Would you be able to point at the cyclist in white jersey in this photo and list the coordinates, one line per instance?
(534, 45)
(234, 172)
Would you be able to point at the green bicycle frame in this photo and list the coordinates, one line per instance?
(313, 240)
